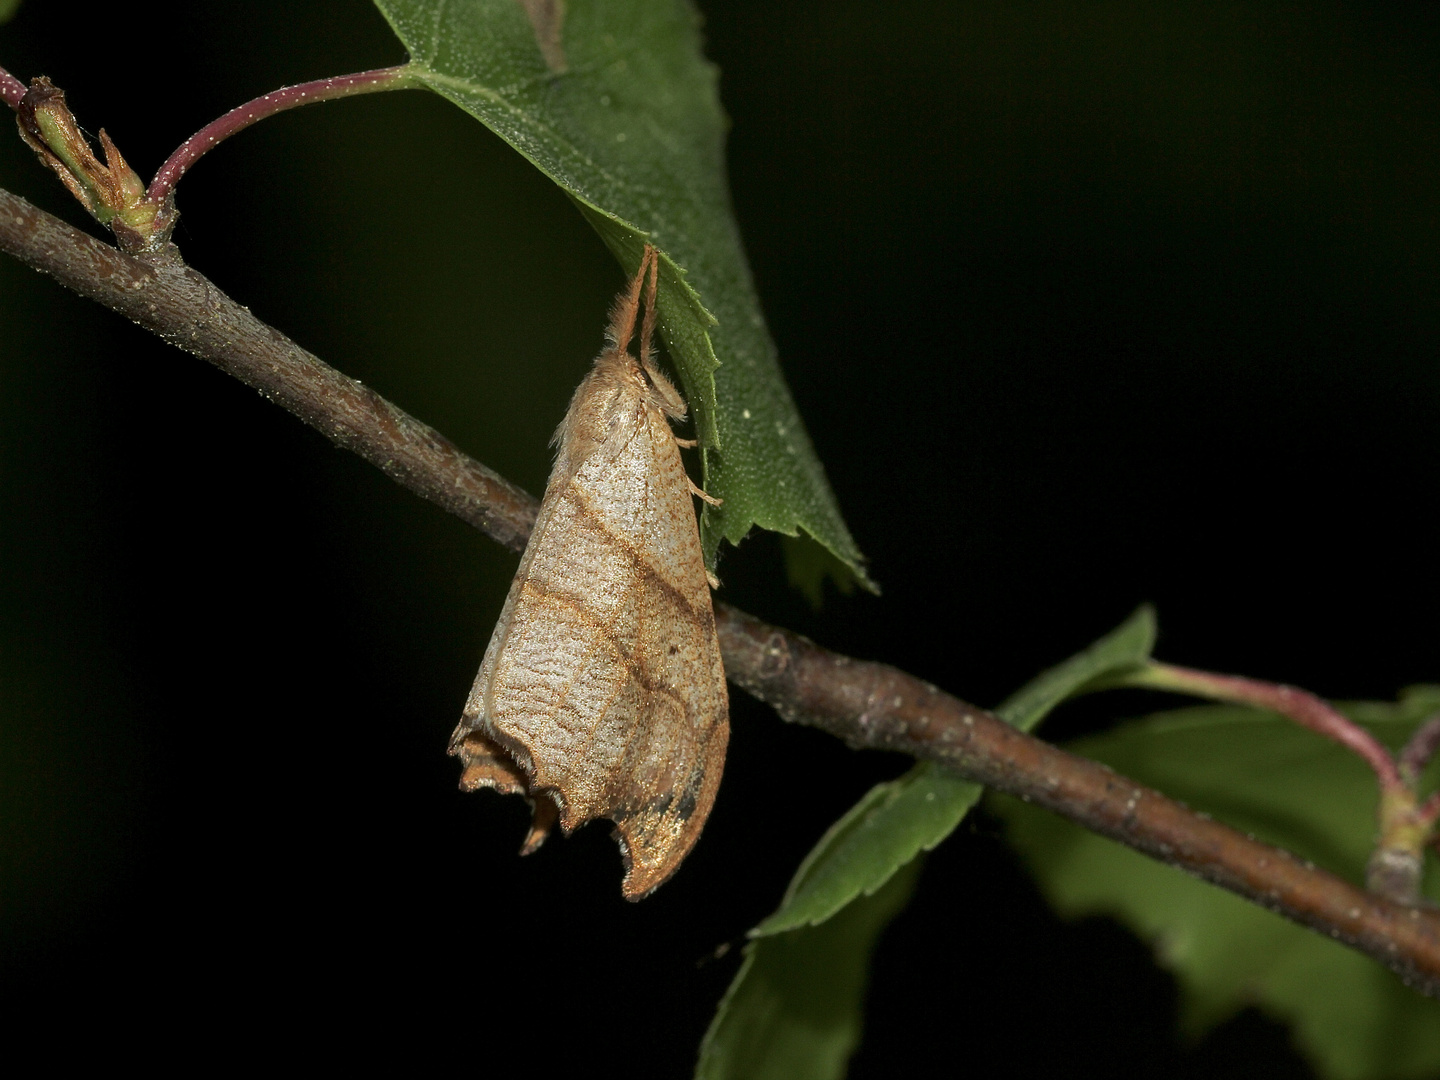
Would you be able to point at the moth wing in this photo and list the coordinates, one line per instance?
(487, 764)
(604, 677)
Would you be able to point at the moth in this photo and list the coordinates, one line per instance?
(602, 693)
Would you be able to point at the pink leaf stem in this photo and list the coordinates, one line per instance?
(11, 89)
(1429, 812)
(288, 97)
(1298, 705)
(1420, 749)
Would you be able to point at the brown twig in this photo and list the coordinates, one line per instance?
(167, 297)
(868, 705)
(876, 706)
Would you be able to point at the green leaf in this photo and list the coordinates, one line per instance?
(633, 132)
(1125, 647)
(860, 858)
(795, 1009)
(808, 565)
(1264, 775)
(8, 9)
(878, 836)
(896, 820)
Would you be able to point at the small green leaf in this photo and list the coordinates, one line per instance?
(864, 857)
(807, 566)
(878, 836)
(633, 132)
(795, 1009)
(8, 9)
(896, 820)
(1127, 646)
(1262, 774)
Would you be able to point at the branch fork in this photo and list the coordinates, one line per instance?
(142, 218)
(1406, 826)
(111, 191)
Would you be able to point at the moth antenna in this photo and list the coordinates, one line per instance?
(647, 329)
(622, 315)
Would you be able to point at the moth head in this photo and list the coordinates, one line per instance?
(656, 390)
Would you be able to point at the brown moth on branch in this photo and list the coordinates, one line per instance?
(851, 699)
(602, 693)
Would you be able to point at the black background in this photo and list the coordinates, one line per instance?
(1084, 304)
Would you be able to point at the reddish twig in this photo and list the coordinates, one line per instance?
(868, 705)
(1413, 758)
(1429, 811)
(142, 218)
(11, 89)
(1420, 749)
(277, 101)
(1303, 707)
(1397, 864)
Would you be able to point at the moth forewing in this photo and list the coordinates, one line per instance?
(603, 681)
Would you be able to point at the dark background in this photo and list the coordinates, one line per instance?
(1084, 304)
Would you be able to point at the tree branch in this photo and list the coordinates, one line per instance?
(869, 705)
(169, 298)
(875, 706)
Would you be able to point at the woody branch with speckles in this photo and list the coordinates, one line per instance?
(870, 706)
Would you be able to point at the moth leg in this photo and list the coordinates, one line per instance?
(712, 579)
(688, 444)
(703, 494)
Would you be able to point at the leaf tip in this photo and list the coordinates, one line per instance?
(809, 564)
